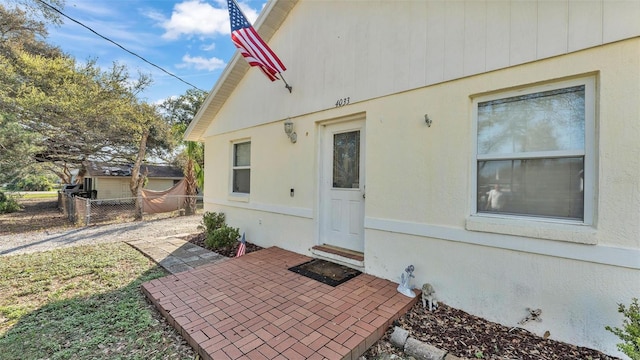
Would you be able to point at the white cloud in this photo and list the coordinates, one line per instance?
(209, 47)
(153, 14)
(251, 14)
(201, 63)
(161, 101)
(194, 17)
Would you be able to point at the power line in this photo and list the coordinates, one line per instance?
(118, 45)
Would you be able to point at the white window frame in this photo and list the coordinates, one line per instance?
(241, 196)
(518, 224)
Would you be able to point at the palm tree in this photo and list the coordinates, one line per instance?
(178, 113)
(193, 175)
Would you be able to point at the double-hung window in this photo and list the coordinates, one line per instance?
(535, 152)
(241, 178)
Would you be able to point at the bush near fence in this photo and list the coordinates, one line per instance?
(84, 211)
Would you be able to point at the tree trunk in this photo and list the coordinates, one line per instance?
(191, 187)
(137, 177)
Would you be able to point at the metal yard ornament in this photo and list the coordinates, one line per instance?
(405, 287)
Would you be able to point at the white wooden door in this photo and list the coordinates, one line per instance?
(342, 185)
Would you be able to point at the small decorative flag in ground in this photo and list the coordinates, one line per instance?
(242, 249)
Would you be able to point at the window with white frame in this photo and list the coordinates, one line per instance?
(241, 178)
(535, 152)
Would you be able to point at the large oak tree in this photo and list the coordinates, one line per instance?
(61, 113)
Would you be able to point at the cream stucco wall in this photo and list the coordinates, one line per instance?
(368, 49)
(418, 204)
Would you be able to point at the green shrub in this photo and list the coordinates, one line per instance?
(218, 234)
(8, 204)
(32, 183)
(224, 236)
(211, 221)
(630, 333)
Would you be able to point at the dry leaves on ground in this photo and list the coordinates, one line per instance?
(472, 337)
(230, 251)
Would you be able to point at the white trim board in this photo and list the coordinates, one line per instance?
(607, 255)
(276, 209)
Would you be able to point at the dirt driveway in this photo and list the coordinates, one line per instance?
(40, 226)
(36, 215)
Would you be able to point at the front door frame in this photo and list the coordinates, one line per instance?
(355, 122)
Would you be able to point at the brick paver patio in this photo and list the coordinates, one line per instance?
(252, 307)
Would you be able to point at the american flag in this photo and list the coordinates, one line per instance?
(252, 47)
(242, 249)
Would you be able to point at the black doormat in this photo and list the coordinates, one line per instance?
(326, 272)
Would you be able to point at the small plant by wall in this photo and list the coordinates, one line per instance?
(218, 234)
(224, 236)
(630, 332)
(212, 221)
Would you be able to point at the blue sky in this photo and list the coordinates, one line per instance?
(189, 38)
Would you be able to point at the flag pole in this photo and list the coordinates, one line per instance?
(289, 87)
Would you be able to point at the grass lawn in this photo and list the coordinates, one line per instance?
(82, 303)
(39, 195)
(29, 195)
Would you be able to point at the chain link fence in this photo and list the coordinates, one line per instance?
(85, 211)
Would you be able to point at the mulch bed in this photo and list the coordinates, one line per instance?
(198, 239)
(471, 337)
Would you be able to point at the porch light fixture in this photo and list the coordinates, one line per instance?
(427, 120)
(288, 129)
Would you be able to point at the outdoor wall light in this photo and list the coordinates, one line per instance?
(427, 120)
(288, 129)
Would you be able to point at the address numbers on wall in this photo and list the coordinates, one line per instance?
(342, 102)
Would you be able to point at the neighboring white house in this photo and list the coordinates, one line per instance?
(110, 181)
(494, 145)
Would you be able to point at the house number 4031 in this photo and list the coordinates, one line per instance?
(342, 102)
